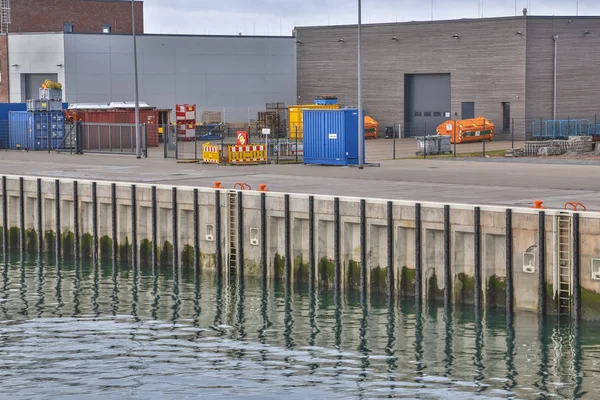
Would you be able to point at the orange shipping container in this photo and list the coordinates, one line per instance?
(468, 130)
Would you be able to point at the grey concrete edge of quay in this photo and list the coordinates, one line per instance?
(546, 261)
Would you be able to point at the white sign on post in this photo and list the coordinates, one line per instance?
(266, 132)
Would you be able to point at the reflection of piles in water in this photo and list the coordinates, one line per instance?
(565, 361)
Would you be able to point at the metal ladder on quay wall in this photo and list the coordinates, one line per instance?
(565, 236)
(233, 236)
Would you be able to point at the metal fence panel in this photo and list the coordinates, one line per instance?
(110, 138)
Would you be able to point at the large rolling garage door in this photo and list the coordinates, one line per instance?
(426, 102)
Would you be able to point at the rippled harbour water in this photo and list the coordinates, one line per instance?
(80, 332)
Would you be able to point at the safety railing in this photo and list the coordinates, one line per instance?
(562, 129)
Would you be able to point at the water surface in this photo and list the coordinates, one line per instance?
(81, 332)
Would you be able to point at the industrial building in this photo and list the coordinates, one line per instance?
(89, 49)
(420, 74)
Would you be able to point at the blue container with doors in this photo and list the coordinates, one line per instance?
(5, 109)
(331, 137)
(36, 130)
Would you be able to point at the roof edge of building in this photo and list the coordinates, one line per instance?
(453, 21)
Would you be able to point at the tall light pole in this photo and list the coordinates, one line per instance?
(361, 119)
(138, 139)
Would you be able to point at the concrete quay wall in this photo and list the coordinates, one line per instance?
(456, 254)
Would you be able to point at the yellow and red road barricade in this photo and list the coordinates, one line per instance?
(247, 154)
(211, 154)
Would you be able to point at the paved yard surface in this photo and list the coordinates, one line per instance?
(474, 181)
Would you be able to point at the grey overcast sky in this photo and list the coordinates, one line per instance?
(275, 17)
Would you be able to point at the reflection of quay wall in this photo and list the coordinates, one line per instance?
(337, 232)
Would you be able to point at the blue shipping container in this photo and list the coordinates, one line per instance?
(331, 137)
(5, 109)
(36, 130)
(325, 102)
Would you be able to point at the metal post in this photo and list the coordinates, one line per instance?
(113, 199)
(263, 239)
(5, 217)
(58, 229)
(240, 239)
(418, 286)
(22, 214)
(40, 226)
(287, 244)
(447, 261)
(363, 253)
(296, 144)
(477, 256)
(196, 232)
(555, 37)
(509, 263)
(138, 141)
(154, 229)
(542, 262)
(394, 141)
(336, 247)
(390, 251)
(175, 231)
(576, 269)
(134, 223)
(454, 138)
(512, 135)
(75, 221)
(361, 123)
(311, 244)
(219, 257)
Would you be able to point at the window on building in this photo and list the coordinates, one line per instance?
(505, 117)
(418, 113)
(437, 114)
(68, 27)
(106, 28)
(427, 113)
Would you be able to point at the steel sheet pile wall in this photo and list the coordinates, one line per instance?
(461, 255)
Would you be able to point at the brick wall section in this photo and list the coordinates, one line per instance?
(87, 16)
(4, 88)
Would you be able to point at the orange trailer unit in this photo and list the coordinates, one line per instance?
(468, 130)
